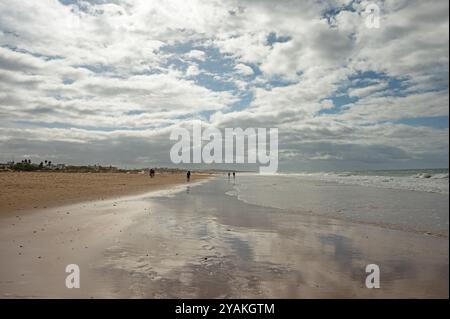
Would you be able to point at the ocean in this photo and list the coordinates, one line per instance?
(412, 200)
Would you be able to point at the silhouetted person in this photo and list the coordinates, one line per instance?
(234, 174)
(188, 176)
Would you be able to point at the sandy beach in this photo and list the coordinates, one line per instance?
(25, 191)
(197, 240)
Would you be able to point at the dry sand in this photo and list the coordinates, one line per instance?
(23, 191)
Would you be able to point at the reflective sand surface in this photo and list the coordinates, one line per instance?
(201, 242)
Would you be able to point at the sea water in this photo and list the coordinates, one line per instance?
(416, 200)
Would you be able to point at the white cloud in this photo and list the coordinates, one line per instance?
(364, 91)
(327, 104)
(243, 69)
(196, 54)
(192, 70)
(102, 73)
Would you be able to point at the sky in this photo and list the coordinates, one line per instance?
(87, 82)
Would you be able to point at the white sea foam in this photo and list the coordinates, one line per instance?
(423, 182)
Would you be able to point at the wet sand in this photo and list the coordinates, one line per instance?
(22, 191)
(202, 243)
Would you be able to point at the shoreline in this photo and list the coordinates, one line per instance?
(28, 191)
(200, 243)
(416, 211)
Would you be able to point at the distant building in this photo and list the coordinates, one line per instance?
(7, 165)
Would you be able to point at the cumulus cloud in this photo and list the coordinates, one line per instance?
(109, 79)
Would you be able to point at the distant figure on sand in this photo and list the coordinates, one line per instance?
(152, 173)
(188, 176)
(234, 174)
(228, 175)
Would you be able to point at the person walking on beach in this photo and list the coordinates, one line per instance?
(188, 176)
(152, 173)
(234, 175)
